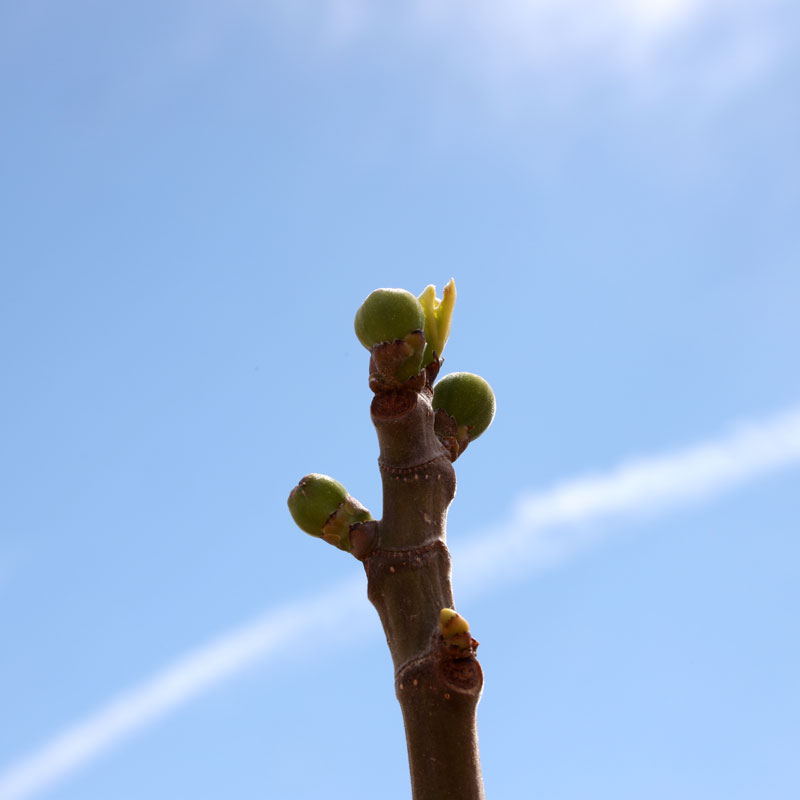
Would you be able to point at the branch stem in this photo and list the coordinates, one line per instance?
(407, 564)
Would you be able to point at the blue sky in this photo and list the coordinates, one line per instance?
(195, 200)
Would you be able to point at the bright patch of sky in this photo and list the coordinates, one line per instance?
(713, 46)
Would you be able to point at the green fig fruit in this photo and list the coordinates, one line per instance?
(313, 500)
(387, 315)
(322, 507)
(389, 324)
(468, 399)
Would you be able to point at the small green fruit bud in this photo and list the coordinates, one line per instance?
(454, 629)
(313, 500)
(322, 507)
(389, 324)
(387, 315)
(438, 316)
(469, 400)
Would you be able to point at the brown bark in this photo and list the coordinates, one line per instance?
(407, 563)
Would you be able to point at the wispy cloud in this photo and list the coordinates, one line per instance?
(540, 31)
(546, 528)
(714, 45)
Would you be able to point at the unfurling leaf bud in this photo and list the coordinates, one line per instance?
(438, 315)
(469, 400)
(454, 629)
(390, 324)
(322, 507)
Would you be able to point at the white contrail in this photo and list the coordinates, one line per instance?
(547, 527)
(176, 685)
(550, 526)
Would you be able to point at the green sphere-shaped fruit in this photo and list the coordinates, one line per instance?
(313, 500)
(386, 315)
(468, 399)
